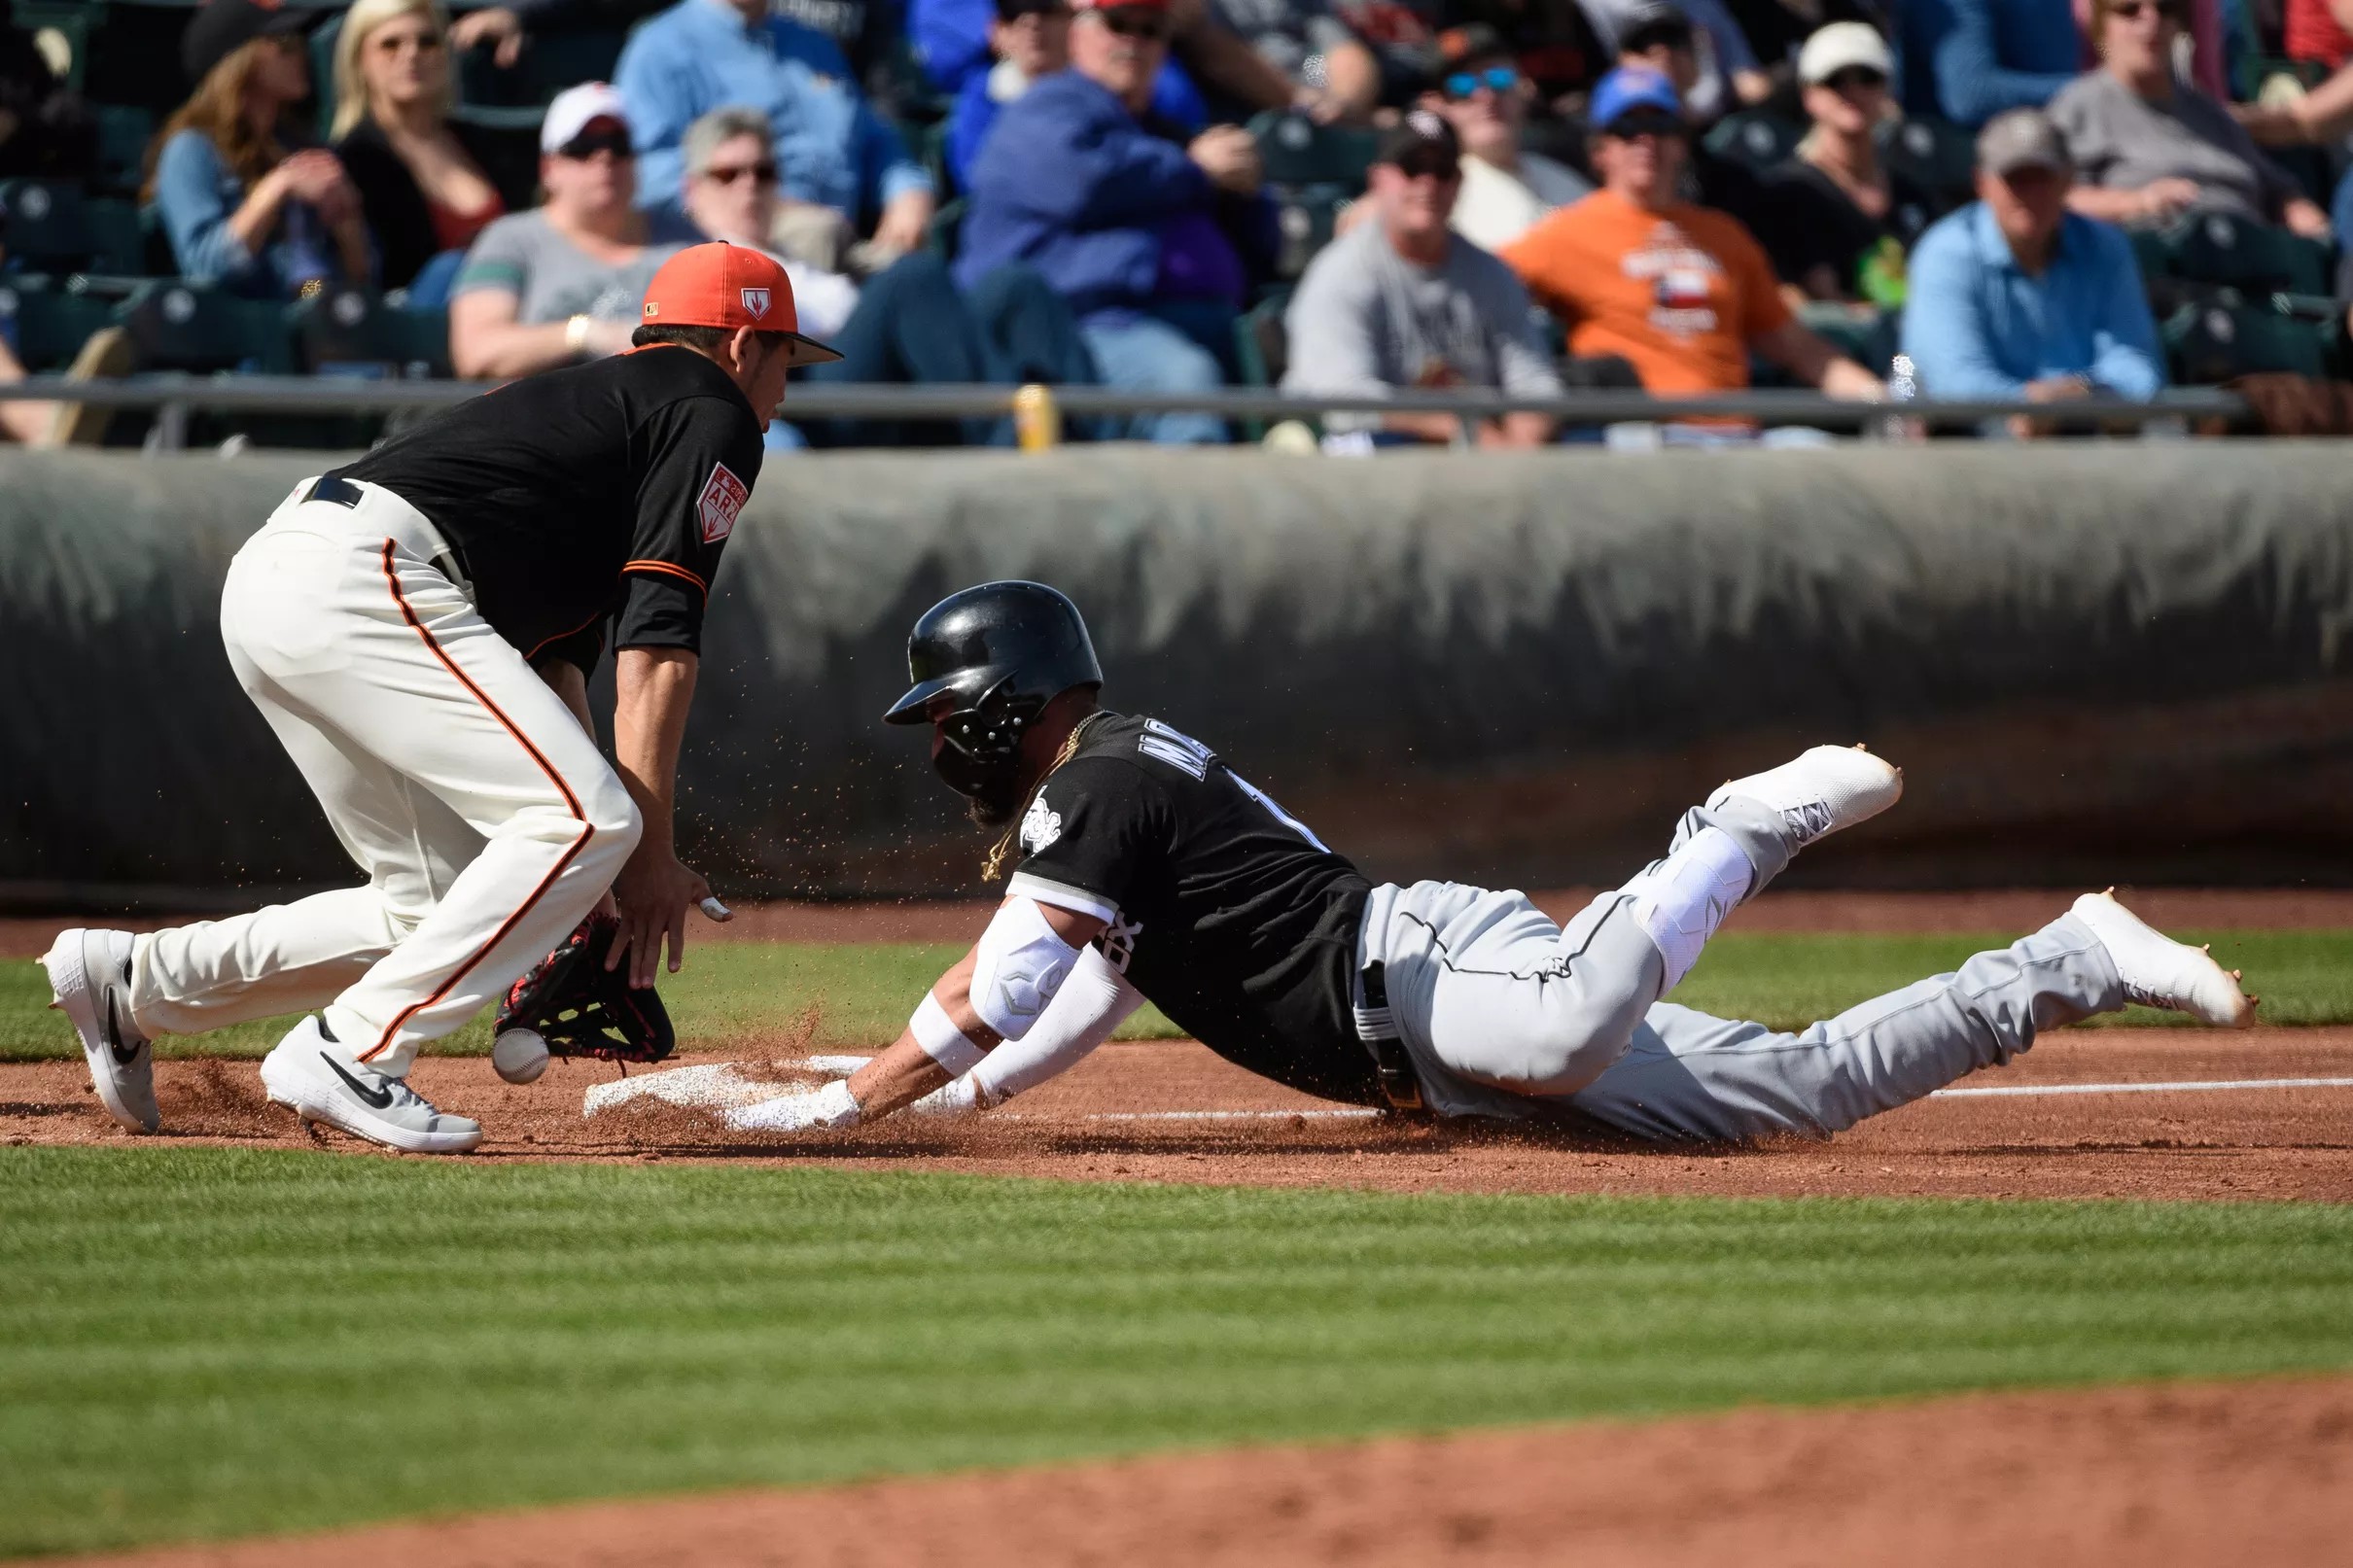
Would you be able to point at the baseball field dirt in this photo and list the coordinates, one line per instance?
(2192, 1474)
(1172, 1112)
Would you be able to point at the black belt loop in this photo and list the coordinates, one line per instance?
(1401, 1085)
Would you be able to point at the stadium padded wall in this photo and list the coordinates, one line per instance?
(2127, 661)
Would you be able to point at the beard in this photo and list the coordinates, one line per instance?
(994, 809)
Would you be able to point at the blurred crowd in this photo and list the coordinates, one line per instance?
(2000, 199)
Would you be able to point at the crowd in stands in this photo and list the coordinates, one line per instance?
(2011, 199)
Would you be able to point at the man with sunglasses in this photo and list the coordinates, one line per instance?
(418, 627)
(1681, 293)
(1031, 41)
(833, 148)
(561, 282)
(1506, 188)
(1404, 302)
(1152, 237)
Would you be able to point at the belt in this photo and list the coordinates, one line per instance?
(1377, 1027)
(446, 559)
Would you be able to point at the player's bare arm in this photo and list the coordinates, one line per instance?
(909, 1070)
(653, 688)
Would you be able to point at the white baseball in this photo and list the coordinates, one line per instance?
(521, 1056)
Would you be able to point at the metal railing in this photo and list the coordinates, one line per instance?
(174, 395)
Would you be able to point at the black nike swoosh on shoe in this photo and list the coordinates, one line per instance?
(380, 1099)
(125, 1055)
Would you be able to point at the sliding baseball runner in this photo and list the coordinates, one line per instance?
(418, 627)
(1149, 868)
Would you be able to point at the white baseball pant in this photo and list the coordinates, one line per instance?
(485, 817)
(1500, 1011)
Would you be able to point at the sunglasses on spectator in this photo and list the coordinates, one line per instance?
(759, 173)
(2132, 10)
(1855, 79)
(1627, 128)
(605, 139)
(390, 43)
(1495, 79)
(1436, 169)
(1134, 22)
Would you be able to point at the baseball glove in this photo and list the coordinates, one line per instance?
(582, 1009)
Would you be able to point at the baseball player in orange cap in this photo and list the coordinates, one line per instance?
(418, 628)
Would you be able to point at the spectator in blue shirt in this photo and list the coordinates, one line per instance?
(1032, 39)
(831, 146)
(240, 209)
(2016, 296)
(1144, 235)
(1969, 59)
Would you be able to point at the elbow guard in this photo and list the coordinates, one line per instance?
(1019, 966)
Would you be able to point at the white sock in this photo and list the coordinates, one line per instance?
(1680, 901)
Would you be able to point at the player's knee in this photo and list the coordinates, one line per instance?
(613, 819)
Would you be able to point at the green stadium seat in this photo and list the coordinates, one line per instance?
(1305, 220)
(1297, 152)
(551, 61)
(2213, 343)
(1261, 344)
(118, 237)
(49, 325)
(182, 327)
(124, 132)
(1937, 155)
(1757, 137)
(508, 140)
(1868, 339)
(2215, 248)
(353, 329)
(46, 223)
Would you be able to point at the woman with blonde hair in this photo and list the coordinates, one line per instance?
(241, 210)
(420, 177)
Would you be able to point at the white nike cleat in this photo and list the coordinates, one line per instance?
(1823, 789)
(2159, 973)
(89, 982)
(317, 1079)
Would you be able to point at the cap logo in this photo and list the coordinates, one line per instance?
(653, 309)
(1426, 124)
(755, 300)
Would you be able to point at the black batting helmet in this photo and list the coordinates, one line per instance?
(1002, 652)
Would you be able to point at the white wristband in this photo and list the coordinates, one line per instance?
(943, 1041)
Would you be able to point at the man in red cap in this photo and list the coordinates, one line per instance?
(418, 628)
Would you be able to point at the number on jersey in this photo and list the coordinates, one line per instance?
(1192, 758)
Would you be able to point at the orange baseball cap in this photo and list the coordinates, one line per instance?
(723, 285)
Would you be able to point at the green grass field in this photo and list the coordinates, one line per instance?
(859, 994)
(209, 1343)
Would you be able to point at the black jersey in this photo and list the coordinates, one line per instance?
(598, 491)
(1223, 910)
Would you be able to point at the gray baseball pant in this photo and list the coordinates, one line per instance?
(1501, 1011)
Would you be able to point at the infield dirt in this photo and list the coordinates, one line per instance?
(2195, 1474)
(2275, 1144)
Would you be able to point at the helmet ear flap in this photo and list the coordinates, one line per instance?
(989, 729)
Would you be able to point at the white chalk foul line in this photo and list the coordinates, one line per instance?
(2184, 1086)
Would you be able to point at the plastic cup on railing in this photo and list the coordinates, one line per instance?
(1037, 420)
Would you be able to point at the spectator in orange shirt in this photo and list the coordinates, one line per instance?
(1683, 293)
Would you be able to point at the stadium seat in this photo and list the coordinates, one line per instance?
(508, 140)
(2216, 248)
(2208, 343)
(46, 223)
(1297, 152)
(124, 132)
(551, 61)
(73, 20)
(1937, 155)
(49, 325)
(179, 326)
(1306, 219)
(1757, 137)
(348, 330)
(946, 232)
(1869, 340)
(1261, 344)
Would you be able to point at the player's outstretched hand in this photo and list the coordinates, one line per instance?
(654, 894)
